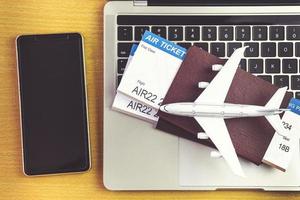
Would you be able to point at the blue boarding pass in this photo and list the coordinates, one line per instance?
(127, 105)
(282, 149)
(152, 70)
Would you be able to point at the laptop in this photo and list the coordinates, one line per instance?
(139, 157)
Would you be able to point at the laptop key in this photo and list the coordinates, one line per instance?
(202, 45)
(175, 33)
(296, 82)
(124, 33)
(192, 33)
(297, 95)
(209, 33)
(160, 31)
(232, 46)
(266, 78)
(293, 33)
(255, 66)
(290, 66)
(276, 33)
(124, 49)
(252, 50)
(297, 48)
(259, 33)
(272, 66)
(285, 49)
(119, 80)
(185, 45)
(121, 65)
(139, 32)
(225, 33)
(281, 80)
(268, 49)
(243, 64)
(242, 33)
(217, 49)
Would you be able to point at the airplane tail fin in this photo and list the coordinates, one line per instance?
(276, 122)
(277, 98)
(275, 103)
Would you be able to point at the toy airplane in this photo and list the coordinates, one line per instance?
(209, 110)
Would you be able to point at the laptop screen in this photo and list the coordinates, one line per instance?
(223, 2)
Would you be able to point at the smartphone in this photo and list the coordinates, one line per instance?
(53, 104)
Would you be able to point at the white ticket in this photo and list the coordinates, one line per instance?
(127, 105)
(152, 70)
(282, 148)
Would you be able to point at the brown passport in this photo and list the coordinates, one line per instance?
(250, 136)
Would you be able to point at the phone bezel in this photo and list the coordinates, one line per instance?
(86, 105)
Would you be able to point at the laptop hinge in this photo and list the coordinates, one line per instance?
(220, 2)
(140, 2)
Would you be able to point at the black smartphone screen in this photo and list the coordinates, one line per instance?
(53, 104)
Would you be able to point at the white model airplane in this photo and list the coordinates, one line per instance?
(209, 110)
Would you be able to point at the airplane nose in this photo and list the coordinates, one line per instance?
(177, 109)
(169, 108)
(164, 108)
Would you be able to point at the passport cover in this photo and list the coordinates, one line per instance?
(250, 136)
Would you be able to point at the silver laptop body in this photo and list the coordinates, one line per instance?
(139, 157)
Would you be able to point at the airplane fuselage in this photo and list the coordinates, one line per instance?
(225, 110)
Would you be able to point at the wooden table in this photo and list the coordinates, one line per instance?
(55, 16)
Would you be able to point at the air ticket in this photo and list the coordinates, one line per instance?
(283, 147)
(152, 70)
(131, 106)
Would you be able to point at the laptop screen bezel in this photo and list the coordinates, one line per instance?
(223, 2)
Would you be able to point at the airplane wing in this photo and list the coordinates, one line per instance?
(217, 131)
(217, 89)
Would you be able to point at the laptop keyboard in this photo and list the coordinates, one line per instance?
(274, 41)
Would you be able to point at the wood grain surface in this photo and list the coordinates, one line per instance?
(57, 16)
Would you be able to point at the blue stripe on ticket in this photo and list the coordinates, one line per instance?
(294, 106)
(164, 45)
(133, 49)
